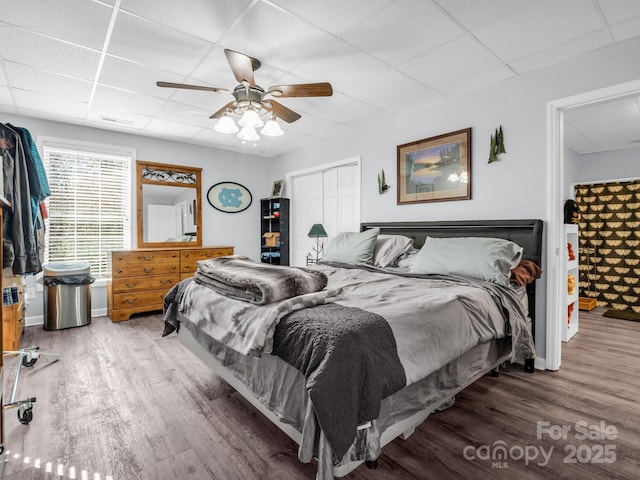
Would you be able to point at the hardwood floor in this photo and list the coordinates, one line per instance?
(124, 403)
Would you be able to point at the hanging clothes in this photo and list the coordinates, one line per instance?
(20, 248)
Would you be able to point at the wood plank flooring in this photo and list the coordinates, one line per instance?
(125, 404)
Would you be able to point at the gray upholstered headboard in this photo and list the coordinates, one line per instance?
(526, 233)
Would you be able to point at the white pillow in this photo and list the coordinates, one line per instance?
(352, 247)
(389, 248)
(489, 259)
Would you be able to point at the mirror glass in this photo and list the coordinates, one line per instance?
(169, 214)
(169, 211)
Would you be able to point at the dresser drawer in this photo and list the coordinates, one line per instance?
(122, 263)
(136, 269)
(139, 299)
(189, 258)
(147, 282)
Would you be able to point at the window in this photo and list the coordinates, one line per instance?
(89, 210)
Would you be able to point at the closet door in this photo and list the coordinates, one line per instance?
(306, 209)
(330, 196)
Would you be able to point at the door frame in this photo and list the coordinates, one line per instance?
(555, 192)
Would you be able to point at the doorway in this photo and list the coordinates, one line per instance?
(555, 314)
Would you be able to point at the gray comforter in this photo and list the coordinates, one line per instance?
(431, 319)
(243, 279)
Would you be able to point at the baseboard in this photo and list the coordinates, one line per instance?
(540, 363)
(35, 320)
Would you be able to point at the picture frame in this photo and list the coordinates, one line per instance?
(277, 189)
(229, 197)
(435, 169)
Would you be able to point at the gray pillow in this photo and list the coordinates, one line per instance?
(352, 247)
(389, 248)
(489, 259)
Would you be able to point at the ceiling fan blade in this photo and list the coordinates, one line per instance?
(283, 112)
(220, 112)
(322, 89)
(242, 66)
(192, 87)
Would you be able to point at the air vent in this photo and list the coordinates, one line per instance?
(119, 121)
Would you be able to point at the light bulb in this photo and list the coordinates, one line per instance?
(272, 129)
(226, 125)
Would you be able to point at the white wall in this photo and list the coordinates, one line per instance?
(241, 230)
(514, 187)
(614, 165)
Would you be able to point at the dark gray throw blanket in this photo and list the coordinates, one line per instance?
(259, 283)
(350, 361)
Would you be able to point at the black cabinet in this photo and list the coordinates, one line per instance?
(274, 230)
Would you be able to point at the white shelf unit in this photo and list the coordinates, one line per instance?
(571, 268)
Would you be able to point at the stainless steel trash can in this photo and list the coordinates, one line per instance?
(67, 295)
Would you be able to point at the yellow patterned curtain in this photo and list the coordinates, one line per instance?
(609, 241)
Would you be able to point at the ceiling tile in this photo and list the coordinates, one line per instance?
(627, 29)
(152, 44)
(135, 77)
(6, 101)
(561, 52)
(129, 120)
(29, 48)
(616, 11)
(3, 77)
(60, 108)
(40, 81)
(188, 114)
(370, 118)
(459, 63)
(90, 19)
(339, 108)
(340, 64)
(207, 19)
(392, 90)
(171, 130)
(274, 36)
(324, 15)
(126, 101)
(532, 29)
(309, 125)
(402, 30)
(473, 14)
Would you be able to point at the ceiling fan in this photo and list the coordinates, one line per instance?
(250, 103)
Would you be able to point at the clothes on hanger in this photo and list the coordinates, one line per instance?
(25, 189)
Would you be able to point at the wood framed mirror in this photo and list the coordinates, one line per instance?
(169, 210)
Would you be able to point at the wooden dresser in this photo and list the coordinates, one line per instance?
(141, 278)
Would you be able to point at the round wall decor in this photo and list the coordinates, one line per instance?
(229, 197)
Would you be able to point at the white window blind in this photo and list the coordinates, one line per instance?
(90, 203)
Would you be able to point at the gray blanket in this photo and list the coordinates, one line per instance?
(349, 359)
(243, 279)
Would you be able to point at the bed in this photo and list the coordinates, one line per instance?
(342, 405)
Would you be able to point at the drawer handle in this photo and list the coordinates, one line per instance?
(164, 282)
(186, 255)
(187, 267)
(131, 285)
(131, 300)
(119, 258)
(148, 270)
(174, 267)
(147, 258)
(119, 271)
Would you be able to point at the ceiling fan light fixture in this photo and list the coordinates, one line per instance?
(248, 134)
(250, 118)
(272, 129)
(226, 125)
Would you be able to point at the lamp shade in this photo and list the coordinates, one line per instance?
(249, 134)
(317, 230)
(250, 118)
(272, 129)
(226, 125)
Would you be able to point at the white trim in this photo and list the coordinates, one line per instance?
(555, 187)
(540, 363)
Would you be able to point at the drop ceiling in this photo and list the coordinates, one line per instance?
(96, 63)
